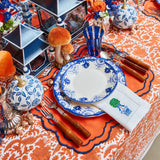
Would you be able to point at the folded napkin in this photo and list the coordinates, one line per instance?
(124, 106)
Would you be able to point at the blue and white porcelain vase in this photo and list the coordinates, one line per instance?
(125, 17)
(25, 92)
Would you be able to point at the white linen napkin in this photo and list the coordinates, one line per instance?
(124, 106)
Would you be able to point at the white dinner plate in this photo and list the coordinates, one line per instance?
(80, 109)
(89, 80)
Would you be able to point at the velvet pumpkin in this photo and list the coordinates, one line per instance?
(7, 69)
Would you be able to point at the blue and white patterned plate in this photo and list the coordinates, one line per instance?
(89, 80)
(81, 109)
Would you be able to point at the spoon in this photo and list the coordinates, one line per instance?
(104, 54)
(125, 61)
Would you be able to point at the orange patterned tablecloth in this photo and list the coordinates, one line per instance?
(109, 140)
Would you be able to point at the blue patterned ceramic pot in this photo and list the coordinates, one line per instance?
(126, 17)
(25, 92)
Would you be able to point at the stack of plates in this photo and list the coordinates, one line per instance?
(84, 81)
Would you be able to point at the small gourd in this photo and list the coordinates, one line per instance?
(125, 17)
(25, 92)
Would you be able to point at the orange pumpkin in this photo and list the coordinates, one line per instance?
(7, 69)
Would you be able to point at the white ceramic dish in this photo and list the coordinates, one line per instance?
(89, 80)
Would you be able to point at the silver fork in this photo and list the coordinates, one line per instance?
(47, 114)
(51, 104)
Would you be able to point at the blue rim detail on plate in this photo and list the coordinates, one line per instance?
(80, 109)
(91, 92)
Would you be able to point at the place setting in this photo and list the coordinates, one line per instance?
(76, 91)
(94, 87)
(90, 87)
(97, 82)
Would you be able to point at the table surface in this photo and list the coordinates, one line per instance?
(44, 141)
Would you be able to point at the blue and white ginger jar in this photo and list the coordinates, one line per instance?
(125, 18)
(25, 97)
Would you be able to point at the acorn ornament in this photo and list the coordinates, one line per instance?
(126, 16)
(19, 129)
(45, 88)
(31, 121)
(24, 124)
(50, 82)
(30, 118)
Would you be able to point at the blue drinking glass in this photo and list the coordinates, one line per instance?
(93, 35)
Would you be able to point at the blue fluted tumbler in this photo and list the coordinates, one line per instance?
(93, 35)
